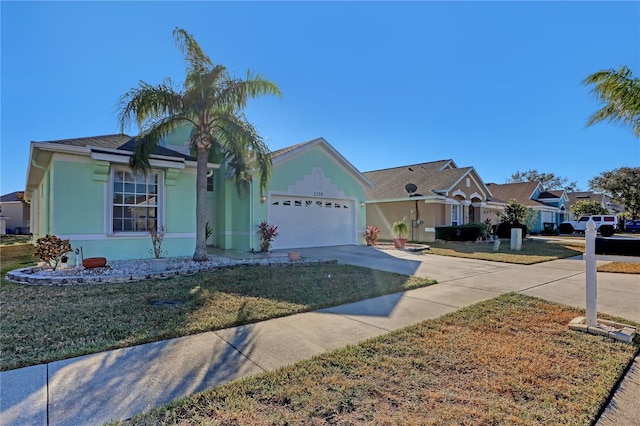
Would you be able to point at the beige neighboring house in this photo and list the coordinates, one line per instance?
(15, 213)
(444, 195)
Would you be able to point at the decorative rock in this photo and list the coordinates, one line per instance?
(126, 271)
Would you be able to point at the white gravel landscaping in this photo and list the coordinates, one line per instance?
(136, 270)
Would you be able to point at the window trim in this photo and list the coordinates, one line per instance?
(109, 203)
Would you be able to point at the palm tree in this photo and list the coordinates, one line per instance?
(211, 103)
(621, 93)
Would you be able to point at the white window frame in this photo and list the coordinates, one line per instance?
(455, 214)
(109, 205)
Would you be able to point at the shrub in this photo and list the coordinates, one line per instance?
(515, 213)
(371, 235)
(51, 249)
(504, 229)
(467, 232)
(267, 233)
(157, 235)
(588, 208)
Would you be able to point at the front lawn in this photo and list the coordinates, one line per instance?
(532, 251)
(510, 360)
(42, 324)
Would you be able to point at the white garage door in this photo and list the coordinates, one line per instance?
(311, 222)
(547, 217)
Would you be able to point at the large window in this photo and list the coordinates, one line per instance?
(135, 204)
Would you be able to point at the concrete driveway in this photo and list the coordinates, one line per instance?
(467, 280)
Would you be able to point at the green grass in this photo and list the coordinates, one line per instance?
(41, 324)
(533, 251)
(15, 253)
(511, 360)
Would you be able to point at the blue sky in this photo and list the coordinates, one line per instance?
(493, 85)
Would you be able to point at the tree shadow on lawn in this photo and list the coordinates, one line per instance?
(117, 384)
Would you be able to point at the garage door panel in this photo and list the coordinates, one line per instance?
(309, 222)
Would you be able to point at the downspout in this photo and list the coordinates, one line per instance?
(47, 200)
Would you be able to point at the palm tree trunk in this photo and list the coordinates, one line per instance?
(200, 254)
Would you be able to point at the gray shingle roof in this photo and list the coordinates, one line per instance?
(117, 141)
(105, 141)
(428, 177)
(549, 194)
(521, 192)
(574, 197)
(12, 197)
(284, 150)
(159, 150)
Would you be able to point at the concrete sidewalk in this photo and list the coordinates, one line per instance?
(93, 389)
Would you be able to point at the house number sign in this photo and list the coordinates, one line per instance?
(317, 194)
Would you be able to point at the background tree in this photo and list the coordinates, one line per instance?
(620, 92)
(549, 181)
(588, 208)
(211, 103)
(623, 185)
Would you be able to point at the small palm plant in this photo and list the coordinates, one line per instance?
(401, 230)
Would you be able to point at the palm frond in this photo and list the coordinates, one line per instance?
(147, 102)
(197, 60)
(621, 94)
(236, 91)
(246, 151)
(147, 142)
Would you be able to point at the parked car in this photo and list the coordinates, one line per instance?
(607, 225)
(632, 226)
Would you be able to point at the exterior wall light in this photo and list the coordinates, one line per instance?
(263, 199)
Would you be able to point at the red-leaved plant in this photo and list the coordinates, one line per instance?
(267, 234)
(371, 235)
(50, 249)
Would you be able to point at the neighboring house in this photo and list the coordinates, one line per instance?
(556, 198)
(547, 206)
(83, 190)
(444, 195)
(15, 213)
(604, 200)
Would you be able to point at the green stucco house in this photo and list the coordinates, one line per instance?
(83, 190)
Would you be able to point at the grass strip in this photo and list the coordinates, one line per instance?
(620, 268)
(532, 251)
(511, 360)
(42, 324)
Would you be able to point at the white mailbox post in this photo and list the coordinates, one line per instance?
(590, 323)
(591, 274)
